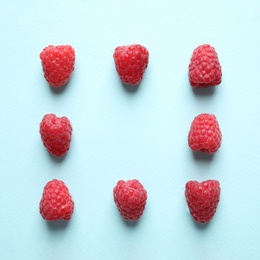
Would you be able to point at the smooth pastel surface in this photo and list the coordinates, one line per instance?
(121, 133)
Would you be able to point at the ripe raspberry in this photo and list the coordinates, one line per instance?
(205, 134)
(56, 202)
(204, 68)
(131, 62)
(58, 64)
(56, 134)
(202, 199)
(130, 198)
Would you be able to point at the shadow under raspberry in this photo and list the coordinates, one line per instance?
(201, 226)
(130, 88)
(57, 159)
(58, 90)
(57, 225)
(204, 91)
(131, 224)
(200, 156)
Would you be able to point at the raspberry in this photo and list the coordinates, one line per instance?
(131, 62)
(202, 199)
(205, 134)
(56, 202)
(204, 68)
(58, 64)
(56, 134)
(130, 198)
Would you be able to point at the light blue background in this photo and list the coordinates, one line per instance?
(119, 134)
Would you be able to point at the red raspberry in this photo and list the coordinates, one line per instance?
(202, 199)
(204, 68)
(56, 202)
(131, 62)
(130, 198)
(56, 134)
(58, 64)
(205, 134)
